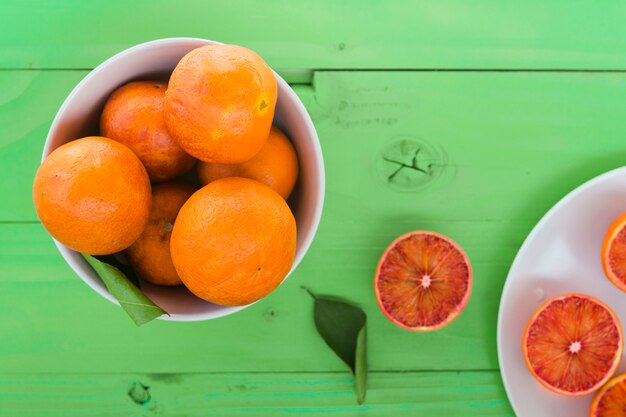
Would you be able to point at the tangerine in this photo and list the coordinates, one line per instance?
(150, 255)
(234, 241)
(276, 165)
(220, 102)
(93, 195)
(133, 116)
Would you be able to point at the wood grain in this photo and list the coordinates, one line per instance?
(56, 323)
(316, 34)
(492, 137)
(407, 394)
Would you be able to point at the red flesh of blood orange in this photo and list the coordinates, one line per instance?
(614, 252)
(573, 344)
(423, 281)
(610, 401)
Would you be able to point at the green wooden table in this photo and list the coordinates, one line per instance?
(512, 103)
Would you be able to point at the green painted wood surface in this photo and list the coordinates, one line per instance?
(276, 334)
(275, 394)
(331, 34)
(503, 148)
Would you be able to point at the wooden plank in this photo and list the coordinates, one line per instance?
(58, 324)
(29, 102)
(496, 133)
(503, 146)
(328, 34)
(407, 394)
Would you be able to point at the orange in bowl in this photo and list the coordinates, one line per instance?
(81, 112)
(234, 241)
(150, 255)
(133, 116)
(276, 165)
(219, 105)
(93, 195)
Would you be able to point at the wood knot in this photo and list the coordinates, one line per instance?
(409, 163)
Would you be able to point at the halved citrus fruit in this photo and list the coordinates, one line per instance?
(573, 344)
(614, 252)
(610, 401)
(423, 281)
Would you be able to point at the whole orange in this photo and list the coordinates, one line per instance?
(150, 255)
(234, 241)
(220, 102)
(133, 115)
(93, 195)
(276, 165)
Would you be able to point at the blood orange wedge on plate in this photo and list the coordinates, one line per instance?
(610, 401)
(573, 344)
(423, 281)
(614, 252)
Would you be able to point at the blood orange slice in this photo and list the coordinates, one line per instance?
(610, 401)
(423, 281)
(614, 252)
(573, 344)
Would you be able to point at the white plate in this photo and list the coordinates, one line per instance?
(561, 255)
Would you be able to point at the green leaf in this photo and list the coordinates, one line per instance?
(360, 375)
(342, 325)
(139, 307)
(125, 269)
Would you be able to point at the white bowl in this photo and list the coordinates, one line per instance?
(79, 116)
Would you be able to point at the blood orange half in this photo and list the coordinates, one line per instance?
(423, 281)
(573, 344)
(610, 401)
(614, 252)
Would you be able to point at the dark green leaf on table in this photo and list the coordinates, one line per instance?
(136, 304)
(342, 325)
(360, 364)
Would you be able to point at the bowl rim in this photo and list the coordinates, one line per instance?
(80, 264)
